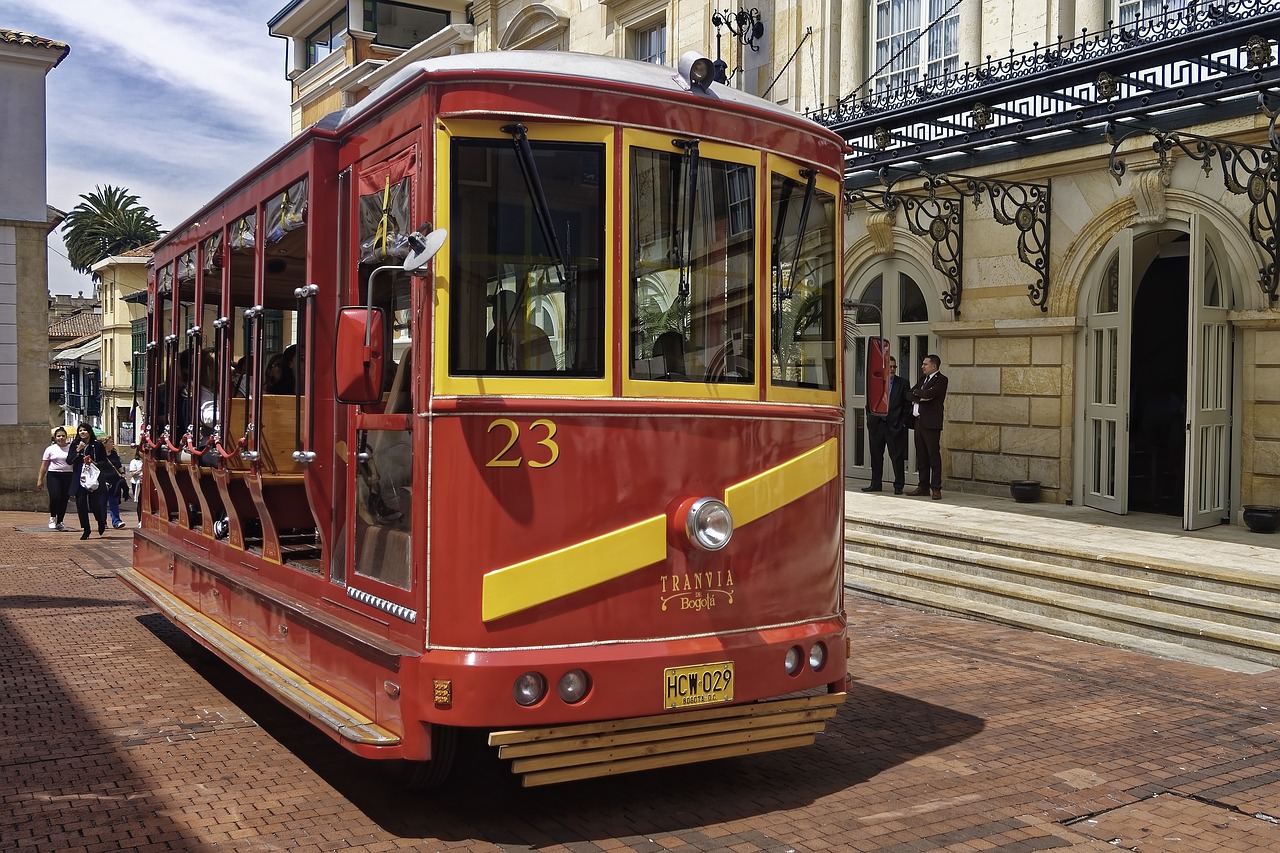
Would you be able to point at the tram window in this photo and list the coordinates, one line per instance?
(803, 289)
(519, 306)
(692, 277)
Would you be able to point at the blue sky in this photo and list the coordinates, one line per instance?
(171, 100)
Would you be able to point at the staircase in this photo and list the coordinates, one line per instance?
(1225, 615)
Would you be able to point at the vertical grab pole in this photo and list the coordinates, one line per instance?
(306, 307)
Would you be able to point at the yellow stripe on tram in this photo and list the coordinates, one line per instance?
(773, 489)
(583, 565)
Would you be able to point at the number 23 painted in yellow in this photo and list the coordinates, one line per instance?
(501, 460)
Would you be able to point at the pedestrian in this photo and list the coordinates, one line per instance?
(889, 432)
(134, 473)
(55, 474)
(927, 397)
(84, 450)
(135, 480)
(113, 481)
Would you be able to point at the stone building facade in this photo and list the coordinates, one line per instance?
(25, 223)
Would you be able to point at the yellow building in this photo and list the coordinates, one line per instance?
(122, 286)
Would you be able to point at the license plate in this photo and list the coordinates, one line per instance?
(692, 686)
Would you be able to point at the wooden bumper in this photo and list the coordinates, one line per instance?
(565, 753)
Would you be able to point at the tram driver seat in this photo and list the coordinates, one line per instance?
(669, 347)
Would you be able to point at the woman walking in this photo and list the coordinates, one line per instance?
(113, 481)
(86, 449)
(55, 474)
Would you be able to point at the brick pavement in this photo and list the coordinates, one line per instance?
(960, 736)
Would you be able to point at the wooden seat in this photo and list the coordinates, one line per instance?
(276, 438)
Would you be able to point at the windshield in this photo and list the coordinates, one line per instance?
(691, 267)
(519, 306)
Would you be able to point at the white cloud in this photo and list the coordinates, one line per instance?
(172, 101)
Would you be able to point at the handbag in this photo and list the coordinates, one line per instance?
(89, 477)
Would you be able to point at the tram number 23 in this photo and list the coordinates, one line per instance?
(505, 458)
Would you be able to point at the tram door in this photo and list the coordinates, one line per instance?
(381, 515)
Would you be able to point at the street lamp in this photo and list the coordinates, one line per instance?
(744, 25)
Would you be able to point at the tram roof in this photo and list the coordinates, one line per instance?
(606, 71)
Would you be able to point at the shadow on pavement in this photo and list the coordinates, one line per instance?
(874, 730)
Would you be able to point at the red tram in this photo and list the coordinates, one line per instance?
(509, 400)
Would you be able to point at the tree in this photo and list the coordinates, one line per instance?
(106, 222)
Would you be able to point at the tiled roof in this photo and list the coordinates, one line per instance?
(27, 39)
(77, 325)
(140, 252)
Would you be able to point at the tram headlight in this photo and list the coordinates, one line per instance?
(709, 524)
(818, 657)
(529, 689)
(574, 686)
(794, 660)
(697, 69)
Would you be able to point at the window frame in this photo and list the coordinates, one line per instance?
(654, 141)
(775, 164)
(447, 384)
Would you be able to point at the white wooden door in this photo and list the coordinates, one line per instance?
(1106, 417)
(1208, 445)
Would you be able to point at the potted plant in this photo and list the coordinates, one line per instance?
(1262, 518)
(1025, 491)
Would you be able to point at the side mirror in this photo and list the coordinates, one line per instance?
(358, 365)
(423, 248)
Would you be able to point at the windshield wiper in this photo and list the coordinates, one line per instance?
(533, 183)
(690, 148)
(811, 180)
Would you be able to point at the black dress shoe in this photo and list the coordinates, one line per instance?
(871, 488)
(897, 490)
(84, 535)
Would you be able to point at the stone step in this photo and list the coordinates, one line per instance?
(1230, 604)
(917, 582)
(935, 602)
(1262, 584)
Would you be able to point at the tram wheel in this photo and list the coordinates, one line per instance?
(423, 775)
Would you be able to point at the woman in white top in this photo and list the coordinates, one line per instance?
(55, 473)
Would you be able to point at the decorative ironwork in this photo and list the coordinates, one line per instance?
(1107, 85)
(1259, 51)
(745, 26)
(980, 114)
(1025, 206)
(1249, 170)
(1174, 69)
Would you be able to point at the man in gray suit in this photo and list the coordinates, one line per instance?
(926, 397)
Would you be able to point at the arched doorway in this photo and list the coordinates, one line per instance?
(1158, 377)
(892, 285)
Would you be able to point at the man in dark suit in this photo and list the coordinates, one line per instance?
(926, 398)
(889, 431)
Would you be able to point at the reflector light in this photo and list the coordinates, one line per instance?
(574, 686)
(818, 657)
(529, 689)
(794, 660)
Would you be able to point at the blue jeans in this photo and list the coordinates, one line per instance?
(113, 503)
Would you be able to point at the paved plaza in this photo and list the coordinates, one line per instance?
(958, 735)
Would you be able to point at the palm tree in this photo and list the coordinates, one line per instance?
(106, 222)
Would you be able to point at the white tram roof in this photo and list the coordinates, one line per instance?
(606, 69)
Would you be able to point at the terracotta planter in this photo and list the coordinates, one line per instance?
(1025, 491)
(1262, 518)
